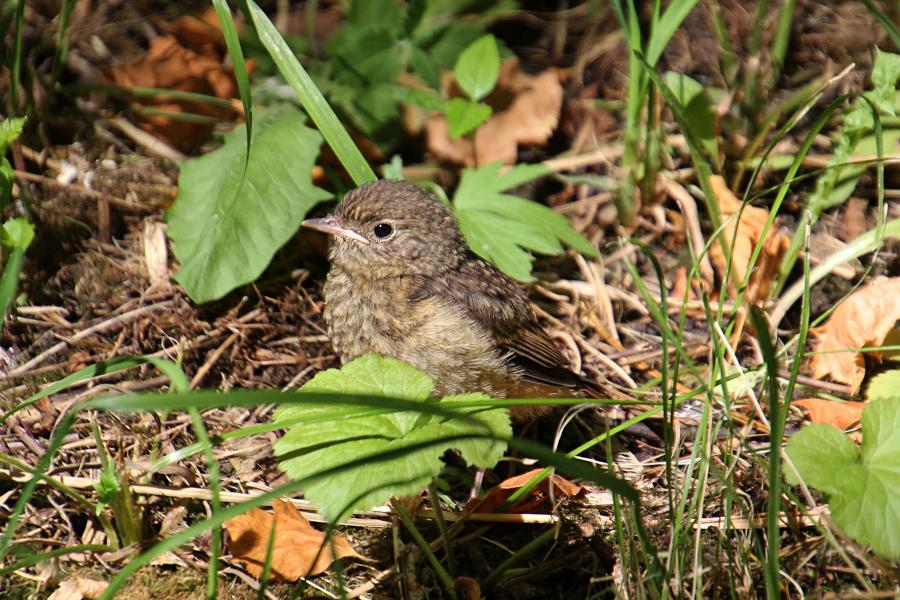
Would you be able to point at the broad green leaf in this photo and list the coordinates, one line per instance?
(305, 450)
(464, 115)
(885, 386)
(498, 226)
(364, 55)
(477, 67)
(227, 222)
(699, 111)
(863, 486)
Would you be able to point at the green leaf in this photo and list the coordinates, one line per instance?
(17, 233)
(10, 130)
(885, 386)
(838, 181)
(477, 67)
(405, 463)
(227, 222)
(863, 487)
(463, 116)
(444, 44)
(365, 55)
(498, 227)
(699, 112)
(424, 66)
(885, 75)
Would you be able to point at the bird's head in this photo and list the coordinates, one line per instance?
(392, 228)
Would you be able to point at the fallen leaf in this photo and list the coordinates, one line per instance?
(168, 64)
(497, 495)
(842, 415)
(525, 111)
(77, 588)
(865, 319)
(467, 588)
(746, 233)
(299, 550)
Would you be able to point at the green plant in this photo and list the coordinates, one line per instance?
(380, 40)
(639, 168)
(476, 73)
(862, 484)
(237, 205)
(498, 226)
(16, 234)
(860, 132)
(346, 437)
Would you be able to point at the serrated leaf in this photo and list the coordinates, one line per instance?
(498, 226)
(10, 130)
(478, 67)
(364, 55)
(347, 438)
(463, 116)
(863, 486)
(227, 222)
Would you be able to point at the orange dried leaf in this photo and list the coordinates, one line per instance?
(526, 111)
(299, 550)
(865, 319)
(497, 495)
(842, 415)
(169, 65)
(745, 233)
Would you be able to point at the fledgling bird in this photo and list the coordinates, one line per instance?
(404, 284)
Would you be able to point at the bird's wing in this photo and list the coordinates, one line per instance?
(498, 304)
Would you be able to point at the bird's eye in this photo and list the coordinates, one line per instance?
(383, 231)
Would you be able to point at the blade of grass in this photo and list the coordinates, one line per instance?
(773, 504)
(229, 32)
(311, 98)
(62, 39)
(884, 21)
(16, 68)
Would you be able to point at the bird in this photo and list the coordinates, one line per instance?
(403, 283)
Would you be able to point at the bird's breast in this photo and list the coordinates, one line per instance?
(434, 335)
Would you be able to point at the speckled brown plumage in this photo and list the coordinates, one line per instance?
(420, 296)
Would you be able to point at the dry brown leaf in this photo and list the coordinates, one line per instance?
(169, 65)
(526, 111)
(299, 550)
(467, 588)
(746, 233)
(78, 588)
(562, 488)
(865, 319)
(842, 415)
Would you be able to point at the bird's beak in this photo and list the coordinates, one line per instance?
(330, 226)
